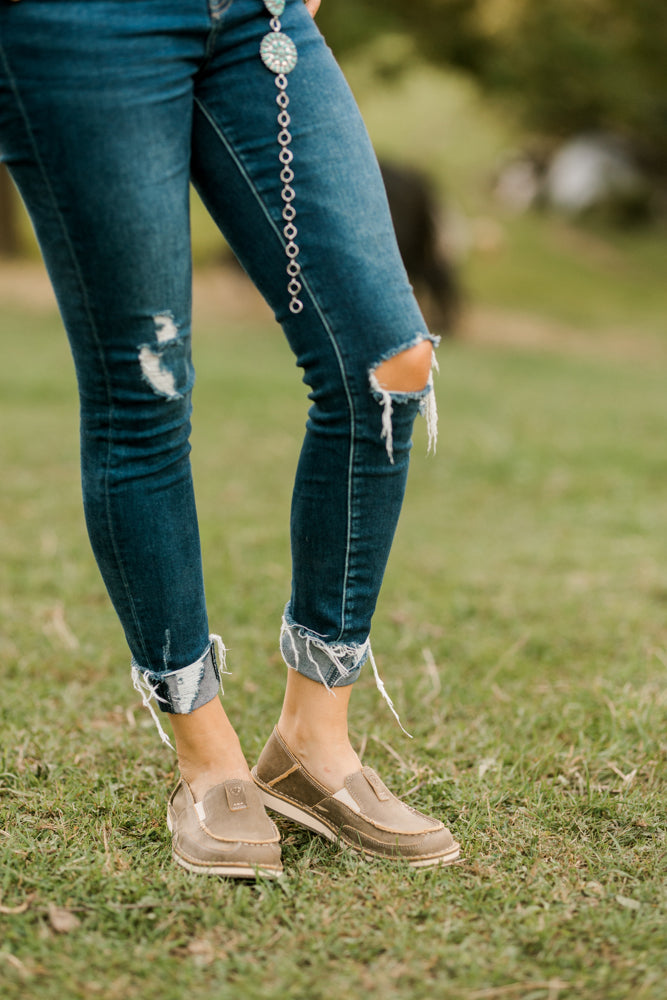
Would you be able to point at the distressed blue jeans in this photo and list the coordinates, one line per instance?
(108, 109)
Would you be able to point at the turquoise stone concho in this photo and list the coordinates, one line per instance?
(278, 52)
(275, 7)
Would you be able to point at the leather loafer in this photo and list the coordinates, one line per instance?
(363, 815)
(227, 833)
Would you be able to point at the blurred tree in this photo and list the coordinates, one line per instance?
(445, 30)
(568, 65)
(582, 65)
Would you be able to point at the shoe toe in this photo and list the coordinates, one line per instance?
(204, 853)
(227, 833)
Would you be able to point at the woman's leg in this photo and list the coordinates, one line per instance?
(360, 338)
(95, 126)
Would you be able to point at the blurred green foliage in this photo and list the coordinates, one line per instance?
(568, 65)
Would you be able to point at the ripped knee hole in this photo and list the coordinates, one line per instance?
(408, 371)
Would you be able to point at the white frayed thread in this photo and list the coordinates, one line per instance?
(383, 691)
(148, 691)
(141, 684)
(430, 410)
(316, 664)
(166, 649)
(221, 657)
(153, 365)
(336, 653)
(286, 630)
(387, 433)
(165, 328)
(159, 377)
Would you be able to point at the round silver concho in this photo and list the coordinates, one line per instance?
(278, 52)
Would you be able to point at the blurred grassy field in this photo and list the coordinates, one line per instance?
(521, 632)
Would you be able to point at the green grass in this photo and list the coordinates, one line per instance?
(521, 632)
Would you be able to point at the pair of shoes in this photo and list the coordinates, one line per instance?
(363, 815)
(227, 833)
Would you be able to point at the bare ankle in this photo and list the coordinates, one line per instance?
(209, 751)
(313, 723)
(329, 758)
(201, 780)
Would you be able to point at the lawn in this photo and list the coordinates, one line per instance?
(521, 633)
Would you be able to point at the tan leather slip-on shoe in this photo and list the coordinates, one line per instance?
(364, 815)
(227, 833)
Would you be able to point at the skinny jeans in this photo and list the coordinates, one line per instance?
(108, 109)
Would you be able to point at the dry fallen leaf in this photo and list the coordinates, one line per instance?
(62, 921)
(14, 910)
(202, 951)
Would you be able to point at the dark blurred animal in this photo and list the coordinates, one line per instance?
(416, 216)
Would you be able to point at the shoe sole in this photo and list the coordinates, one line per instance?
(291, 810)
(228, 871)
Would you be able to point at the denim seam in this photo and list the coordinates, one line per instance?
(218, 7)
(216, 11)
(248, 178)
(84, 293)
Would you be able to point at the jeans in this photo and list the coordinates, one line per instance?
(108, 108)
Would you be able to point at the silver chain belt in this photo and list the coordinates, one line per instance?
(279, 55)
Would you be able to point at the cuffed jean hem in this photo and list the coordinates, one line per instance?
(332, 664)
(180, 692)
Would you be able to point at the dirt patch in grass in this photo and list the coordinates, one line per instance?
(510, 328)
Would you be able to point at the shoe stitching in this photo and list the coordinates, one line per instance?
(274, 781)
(239, 840)
(390, 829)
(317, 812)
(298, 766)
(330, 795)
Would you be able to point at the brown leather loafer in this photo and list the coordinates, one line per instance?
(227, 833)
(364, 815)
